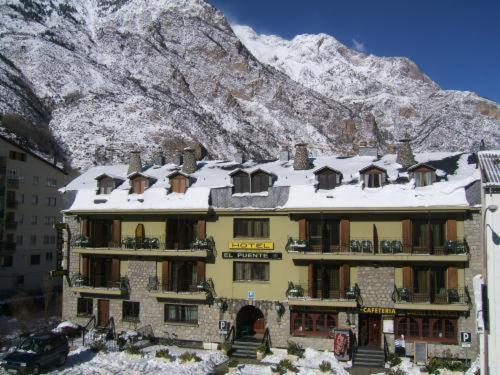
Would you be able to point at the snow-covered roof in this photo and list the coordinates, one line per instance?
(490, 167)
(456, 172)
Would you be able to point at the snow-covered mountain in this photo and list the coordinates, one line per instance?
(111, 75)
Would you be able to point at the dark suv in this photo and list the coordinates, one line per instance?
(35, 352)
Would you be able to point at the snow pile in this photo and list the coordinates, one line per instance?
(65, 325)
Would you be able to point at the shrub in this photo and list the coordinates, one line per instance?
(295, 349)
(261, 348)
(98, 346)
(121, 342)
(397, 371)
(285, 364)
(134, 350)
(444, 363)
(393, 359)
(233, 363)
(226, 346)
(325, 366)
(189, 357)
(162, 353)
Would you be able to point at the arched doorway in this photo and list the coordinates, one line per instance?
(250, 322)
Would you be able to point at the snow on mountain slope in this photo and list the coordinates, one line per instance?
(112, 75)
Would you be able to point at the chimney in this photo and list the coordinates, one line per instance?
(158, 158)
(177, 158)
(189, 160)
(239, 157)
(301, 159)
(405, 154)
(365, 149)
(134, 164)
(284, 154)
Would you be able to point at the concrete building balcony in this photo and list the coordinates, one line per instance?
(81, 284)
(179, 290)
(303, 294)
(453, 299)
(12, 183)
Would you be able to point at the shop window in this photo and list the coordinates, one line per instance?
(84, 307)
(181, 313)
(257, 228)
(428, 329)
(251, 271)
(130, 311)
(305, 323)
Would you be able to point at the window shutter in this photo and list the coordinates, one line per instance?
(451, 229)
(200, 270)
(407, 278)
(302, 229)
(452, 278)
(202, 228)
(117, 232)
(345, 277)
(85, 227)
(406, 226)
(310, 279)
(164, 274)
(345, 229)
(115, 269)
(85, 266)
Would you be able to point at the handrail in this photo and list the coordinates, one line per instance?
(266, 339)
(111, 326)
(386, 349)
(85, 328)
(230, 336)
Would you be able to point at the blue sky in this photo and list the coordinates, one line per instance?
(456, 43)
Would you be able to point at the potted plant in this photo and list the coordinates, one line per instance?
(134, 352)
(261, 351)
(225, 348)
(232, 366)
(325, 367)
(163, 355)
(189, 357)
(286, 365)
(275, 369)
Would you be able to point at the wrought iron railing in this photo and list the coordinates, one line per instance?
(92, 322)
(177, 286)
(84, 281)
(444, 296)
(305, 290)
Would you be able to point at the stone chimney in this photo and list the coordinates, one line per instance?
(301, 159)
(134, 164)
(284, 154)
(189, 160)
(405, 154)
(365, 149)
(239, 157)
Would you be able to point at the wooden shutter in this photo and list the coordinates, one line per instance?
(85, 266)
(345, 233)
(202, 228)
(345, 277)
(200, 270)
(407, 278)
(85, 227)
(117, 232)
(406, 225)
(451, 229)
(302, 229)
(452, 278)
(164, 274)
(115, 269)
(310, 279)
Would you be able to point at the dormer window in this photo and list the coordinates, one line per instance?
(328, 178)
(179, 182)
(106, 184)
(261, 181)
(373, 176)
(241, 182)
(424, 175)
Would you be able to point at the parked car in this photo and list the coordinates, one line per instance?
(36, 352)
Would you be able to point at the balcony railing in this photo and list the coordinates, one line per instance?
(83, 281)
(444, 296)
(383, 246)
(13, 183)
(179, 286)
(304, 290)
(145, 243)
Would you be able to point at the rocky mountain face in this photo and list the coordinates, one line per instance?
(108, 76)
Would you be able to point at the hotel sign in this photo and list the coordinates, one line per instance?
(378, 310)
(250, 255)
(244, 245)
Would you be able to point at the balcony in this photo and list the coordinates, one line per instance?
(448, 299)
(82, 284)
(183, 289)
(301, 294)
(10, 225)
(9, 246)
(12, 183)
(382, 250)
(11, 203)
(147, 246)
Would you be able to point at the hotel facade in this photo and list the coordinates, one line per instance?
(381, 248)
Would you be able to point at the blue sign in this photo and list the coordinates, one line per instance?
(251, 294)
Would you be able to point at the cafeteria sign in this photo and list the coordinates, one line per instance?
(378, 310)
(243, 245)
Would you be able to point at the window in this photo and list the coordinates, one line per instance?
(19, 240)
(48, 256)
(311, 323)
(181, 313)
(14, 155)
(49, 220)
(130, 311)
(139, 185)
(34, 200)
(50, 201)
(260, 182)
(20, 279)
(324, 235)
(328, 179)
(84, 307)
(251, 271)
(7, 261)
(36, 180)
(326, 282)
(33, 239)
(34, 219)
(20, 219)
(241, 183)
(46, 239)
(424, 178)
(258, 228)
(428, 235)
(105, 185)
(51, 182)
(179, 184)
(21, 198)
(429, 284)
(374, 179)
(35, 260)
(428, 329)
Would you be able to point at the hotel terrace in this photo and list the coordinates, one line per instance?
(292, 249)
